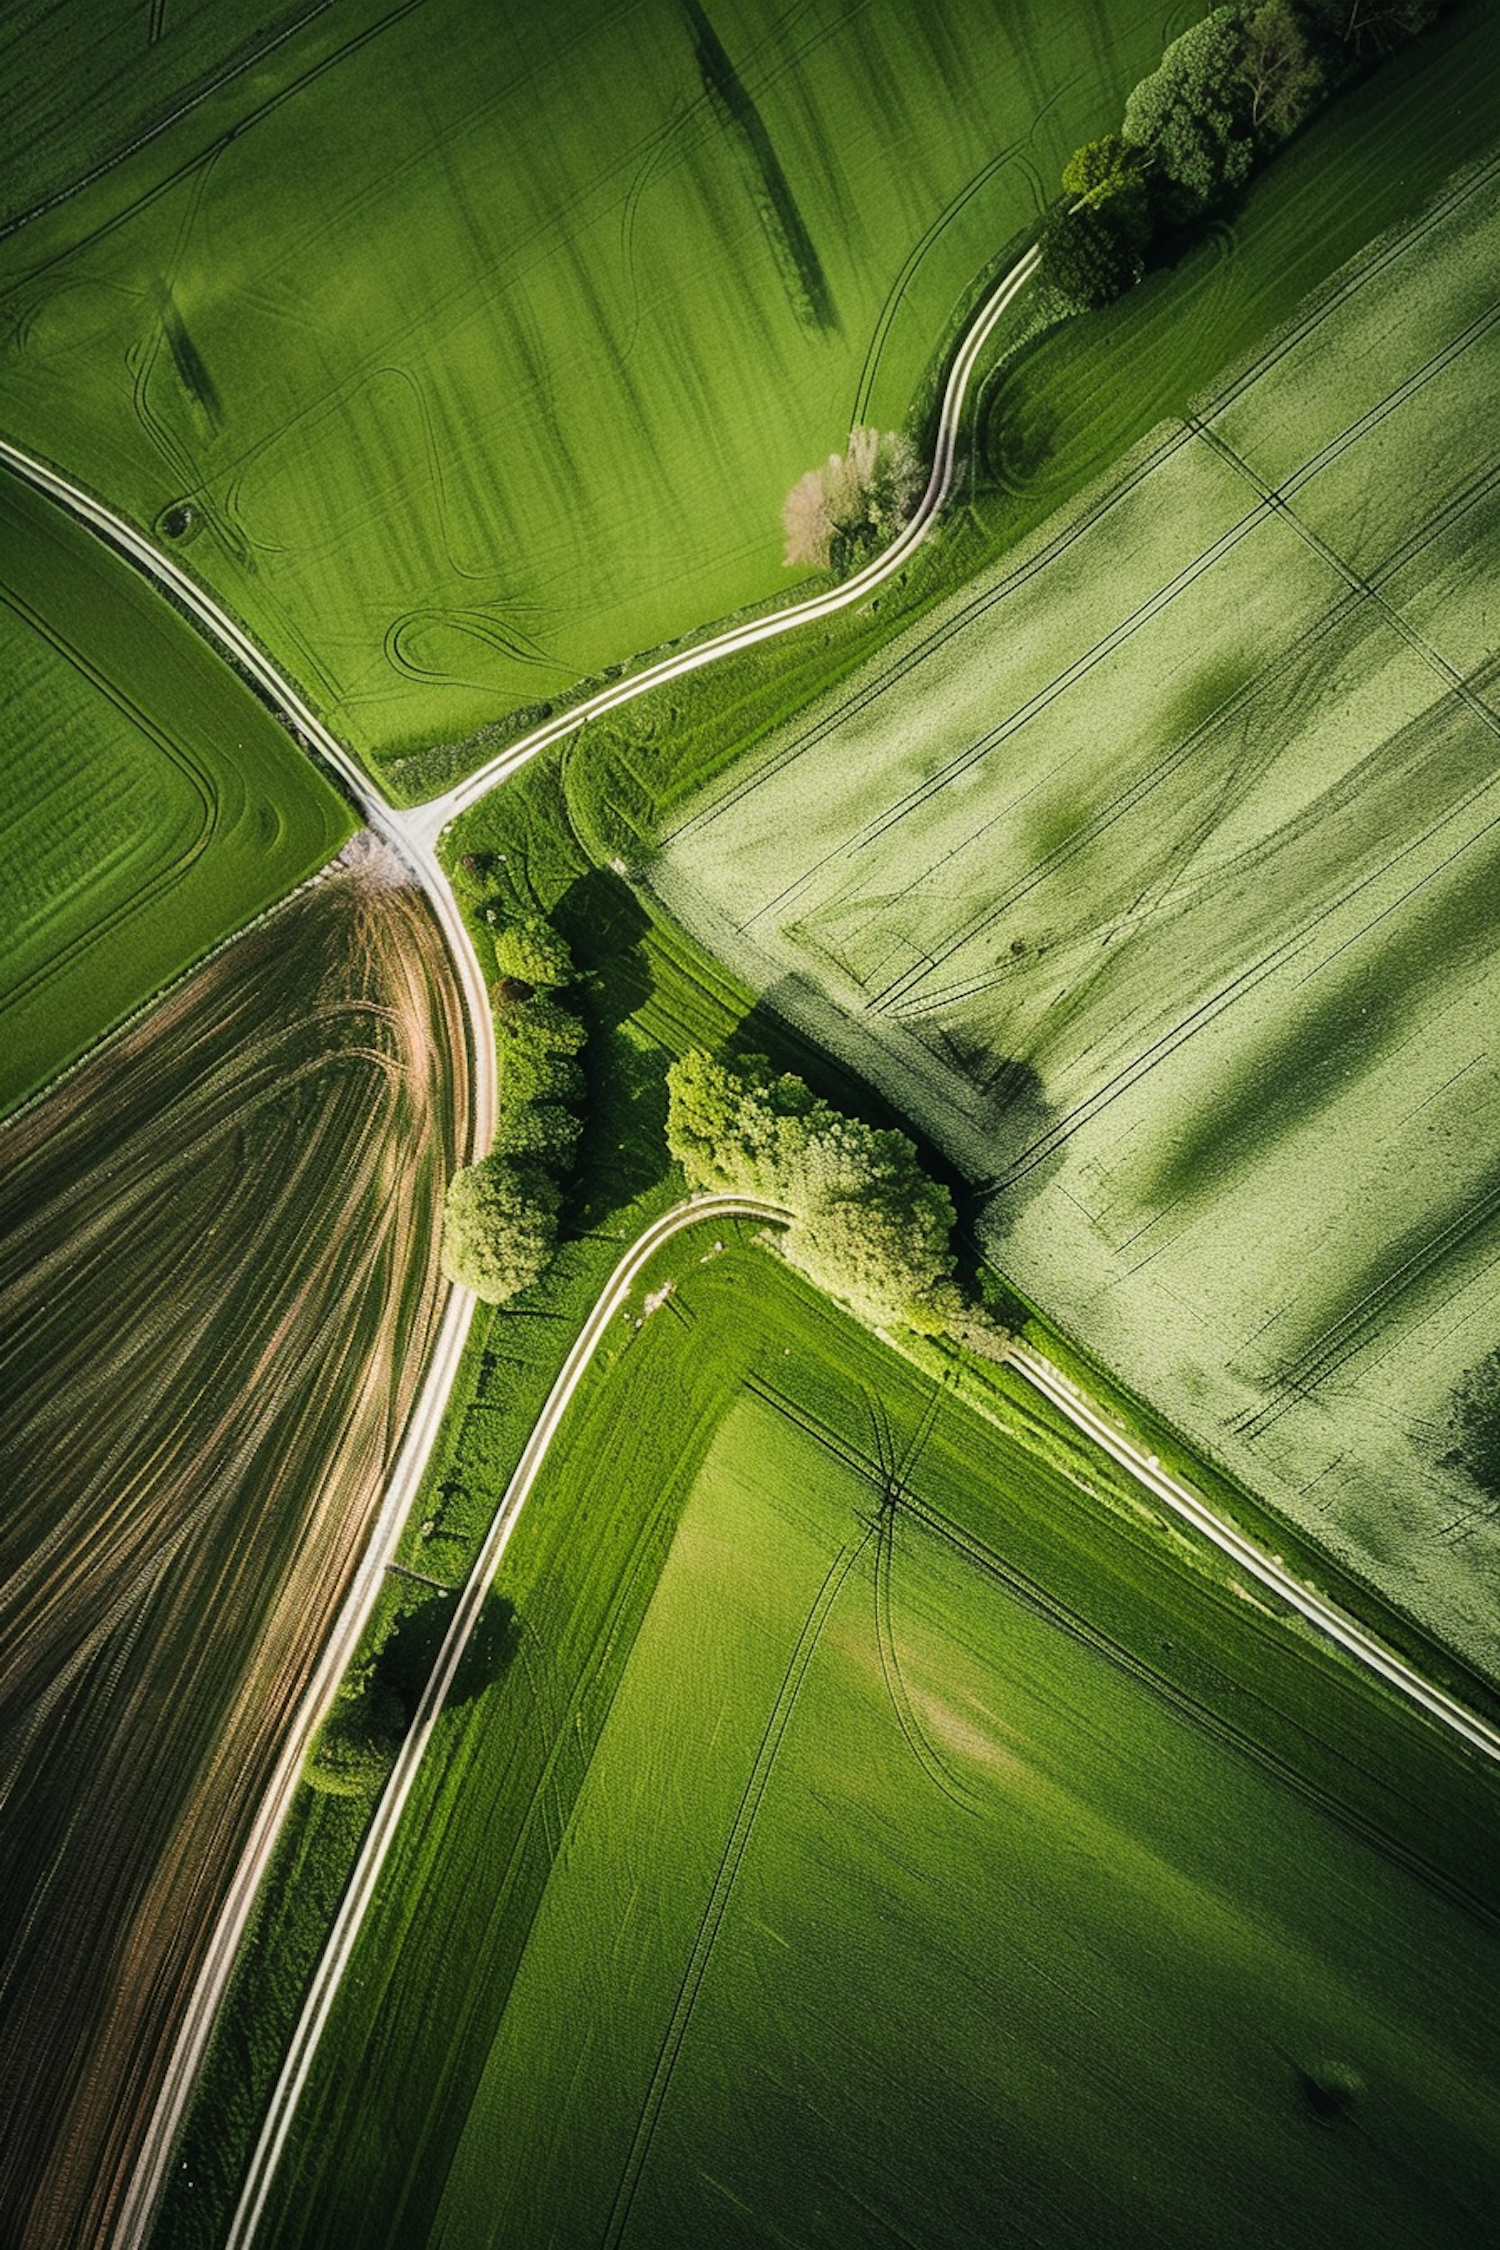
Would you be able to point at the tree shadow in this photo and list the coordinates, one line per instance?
(605, 926)
(405, 1663)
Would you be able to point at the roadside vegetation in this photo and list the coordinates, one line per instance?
(500, 1218)
(218, 1286)
(867, 1224)
(824, 1593)
(153, 804)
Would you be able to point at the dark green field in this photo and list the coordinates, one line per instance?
(867, 1819)
(153, 804)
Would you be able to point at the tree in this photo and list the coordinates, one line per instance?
(543, 1132)
(1104, 171)
(1092, 253)
(1278, 69)
(1192, 115)
(854, 504)
(499, 1227)
(866, 1222)
(540, 1022)
(1365, 27)
(530, 951)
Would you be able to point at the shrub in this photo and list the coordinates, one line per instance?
(532, 952)
(854, 504)
(499, 1227)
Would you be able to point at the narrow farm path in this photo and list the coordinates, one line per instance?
(430, 819)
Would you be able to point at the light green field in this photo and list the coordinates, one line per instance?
(1155, 879)
(486, 354)
(794, 1869)
(152, 804)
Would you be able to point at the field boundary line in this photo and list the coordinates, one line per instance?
(318, 2003)
(1272, 1573)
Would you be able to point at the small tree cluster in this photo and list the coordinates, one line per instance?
(1224, 96)
(867, 1224)
(839, 514)
(500, 1215)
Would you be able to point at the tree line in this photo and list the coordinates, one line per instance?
(865, 1221)
(500, 1215)
(1223, 99)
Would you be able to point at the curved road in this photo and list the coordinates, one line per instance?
(388, 1812)
(430, 819)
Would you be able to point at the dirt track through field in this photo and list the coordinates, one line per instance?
(218, 1290)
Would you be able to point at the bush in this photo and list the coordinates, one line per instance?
(1093, 254)
(538, 1131)
(499, 1227)
(835, 516)
(530, 951)
(866, 1223)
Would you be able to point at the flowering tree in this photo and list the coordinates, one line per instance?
(850, 507)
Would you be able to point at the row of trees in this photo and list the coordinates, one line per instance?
(500, 1216)
(1224, 97)
(867, 1224)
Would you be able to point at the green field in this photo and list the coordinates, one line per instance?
(84, 84)
(218, 1288)
(1153, 879)
(153, 804)
(794, 1867)
(485, 353)
(1051, 415)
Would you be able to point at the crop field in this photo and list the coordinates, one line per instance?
(218, 1282)
(1153, 878)
(152, 804)
(790, 1849)
(85, 84)
(468, 356)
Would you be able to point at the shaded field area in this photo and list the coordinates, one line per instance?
(153, 804)
(218, 1282)
(1152, 879)
(470, 357)
(868, 1818)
